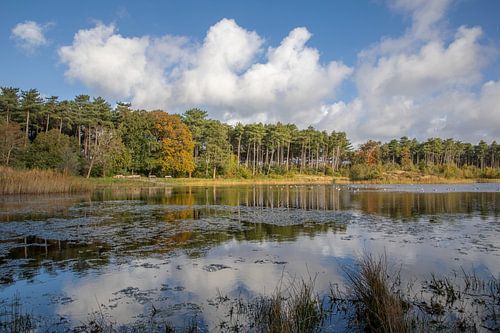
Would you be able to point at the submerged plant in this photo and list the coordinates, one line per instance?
(13, 319)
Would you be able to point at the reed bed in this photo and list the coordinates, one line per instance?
(40, 182)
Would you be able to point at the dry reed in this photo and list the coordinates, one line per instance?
(39, 182)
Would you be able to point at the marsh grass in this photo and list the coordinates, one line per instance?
(14, 319)
(463, 302)
(292, 308)
(375, 300)
(375, 295)
(297, 309)
(40, 182)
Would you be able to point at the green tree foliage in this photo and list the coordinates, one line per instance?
(216, 154)
(122, 140)
(53, 150)
(31, 104)
(136, 130)
(9, 102)
(107, 154)
(196, 119)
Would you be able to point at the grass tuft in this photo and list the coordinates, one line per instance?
(379, 307)
(298, 309)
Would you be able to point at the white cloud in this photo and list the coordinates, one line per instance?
(427, 82)
(29, 35)
(230, 72)
(422, 84)
(426, 15)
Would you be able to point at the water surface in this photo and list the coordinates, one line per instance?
(175, 250)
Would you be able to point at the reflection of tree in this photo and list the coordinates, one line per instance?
(261, 231)
(410, 204)
(38, 207)
(147, 194)
(203, 239)
(391, 204)
(196, 218)
(38, 252)
(329, 198)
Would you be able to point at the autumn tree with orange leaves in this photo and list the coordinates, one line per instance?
(176, 154)
(369, 152)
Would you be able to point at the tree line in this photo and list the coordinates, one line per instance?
(88, 136)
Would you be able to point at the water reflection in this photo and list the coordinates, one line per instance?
(404, 201)
(128, 251)
(386, 202)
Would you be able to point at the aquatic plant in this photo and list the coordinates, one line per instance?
(14, 319)
(378, 303)
(293, 307)
(375, 301)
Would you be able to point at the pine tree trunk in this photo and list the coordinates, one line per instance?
(239, 147)
(254, 158)
(325, 158)
(8, 157)
(27, 127)
(287, 156)
(248, 155)
(278, 154)
(79, 136)
(269, 165)
(90, 168)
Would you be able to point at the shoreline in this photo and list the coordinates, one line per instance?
(52, 183)
(317, 180)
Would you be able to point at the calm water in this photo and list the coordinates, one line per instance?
(177, 249)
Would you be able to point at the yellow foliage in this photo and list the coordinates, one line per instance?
(177, 143)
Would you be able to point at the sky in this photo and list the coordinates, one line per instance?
(374, 69)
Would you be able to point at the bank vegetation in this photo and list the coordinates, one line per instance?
(87, 137)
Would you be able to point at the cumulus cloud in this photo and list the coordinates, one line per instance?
(422, 84)
(427, 82)
(29, 35)
(230, 72)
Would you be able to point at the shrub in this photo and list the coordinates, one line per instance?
(491, 173)
(53, 150)
(451, 171)
(364, 172)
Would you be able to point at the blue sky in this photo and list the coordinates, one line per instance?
(376, 69)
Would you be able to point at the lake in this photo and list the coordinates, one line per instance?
(171, 253)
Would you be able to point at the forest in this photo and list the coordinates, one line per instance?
(87, 136)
